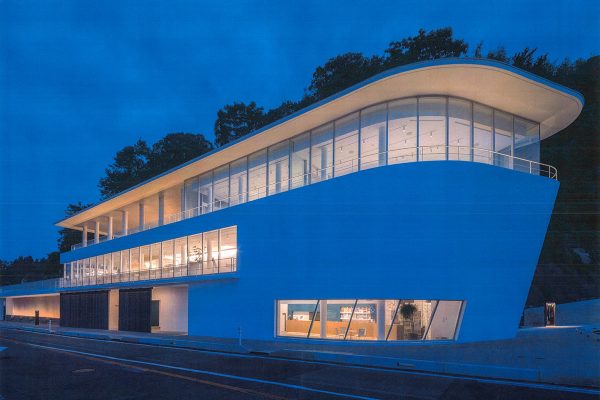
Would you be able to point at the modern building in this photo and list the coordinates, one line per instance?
(411, 206)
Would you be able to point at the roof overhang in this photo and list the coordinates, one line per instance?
(488, 82)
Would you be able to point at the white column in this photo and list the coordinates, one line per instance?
(141, 220)
(84, 235)
(381, 320)
(161, 209)
(125, 223)
(110, 227)
(323, 312)
(97, 232)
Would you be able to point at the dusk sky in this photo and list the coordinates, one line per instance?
(81, 80)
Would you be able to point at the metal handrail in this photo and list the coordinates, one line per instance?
(396, 156)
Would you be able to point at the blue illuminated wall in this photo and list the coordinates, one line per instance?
(436, 230)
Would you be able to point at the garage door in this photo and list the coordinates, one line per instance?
(84, 309)
(134, 310)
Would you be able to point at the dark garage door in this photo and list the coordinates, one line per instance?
(134, 309)
(84, 309)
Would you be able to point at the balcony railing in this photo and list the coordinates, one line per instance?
(214, 267)
(368, 161)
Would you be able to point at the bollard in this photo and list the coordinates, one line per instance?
(36, 319)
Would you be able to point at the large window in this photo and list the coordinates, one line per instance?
(459, 130)
(257, 170)
(402, 131)
(221, 188)
(503, 139)
(279, 159)
(322, 153)
(373, 141)
(364, 319)
(206, 192)
(483, 122)
(432, 128)
(346, 145)
(300, 160)
(191, 197)
(211, 252)
(527, 145)
(238, 184)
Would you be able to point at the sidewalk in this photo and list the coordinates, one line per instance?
(556, 355)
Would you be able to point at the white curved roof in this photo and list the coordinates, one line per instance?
(488, 82)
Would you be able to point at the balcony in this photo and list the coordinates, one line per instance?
(344, 167)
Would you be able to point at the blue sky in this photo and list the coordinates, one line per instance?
(80, 80)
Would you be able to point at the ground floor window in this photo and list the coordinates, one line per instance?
(367, 319)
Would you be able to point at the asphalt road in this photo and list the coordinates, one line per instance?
(44, 366)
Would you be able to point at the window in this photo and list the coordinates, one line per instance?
(195, 254)
(190, 189)
(206, 192)
(300, 160)
(432, 128)
(116, 267)
(402, 131)
(527, 145)
(362, 319)
(346, 145)
(180, 253)
(373, 136)
(238, 184)
(483, 118)
(145, 262)
(155, 261)
(459, 130)
(503, 139)
(295, 317)
(211, 252)
(135, 263)
(221, 188)
(279, 167)
(125, 262)
(227, 249)
(322, 153)
(257, 170)
(168, 258)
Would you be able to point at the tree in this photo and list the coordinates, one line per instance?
(69, 237)
(434, 44)
(127, 170)
(341, 72)
(173, 150)
(499, 55)
(236, 120)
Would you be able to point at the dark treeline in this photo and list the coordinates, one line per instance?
(569, 264)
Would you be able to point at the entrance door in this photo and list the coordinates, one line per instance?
(154, 313)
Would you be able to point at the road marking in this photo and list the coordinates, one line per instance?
(493, 381)
(203, 372)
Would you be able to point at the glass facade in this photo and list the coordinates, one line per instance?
(369, 319)
(426, 128)
(211, 252)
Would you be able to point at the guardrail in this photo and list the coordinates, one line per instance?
(367, 161)
(213, 267)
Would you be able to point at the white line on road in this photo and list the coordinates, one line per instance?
(530, 385)
(205, 372)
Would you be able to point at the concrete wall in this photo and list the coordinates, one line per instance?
(173, 311)
(434, 230)
(49, 306)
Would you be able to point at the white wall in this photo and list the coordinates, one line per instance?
(113, 310)
(173, 311)
(49, 306)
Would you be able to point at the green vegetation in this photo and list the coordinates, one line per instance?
(569, 266)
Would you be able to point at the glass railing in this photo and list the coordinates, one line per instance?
(347, 166)
(214, 267)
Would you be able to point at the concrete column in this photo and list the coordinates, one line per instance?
(323, 312)
(161, 209)
(125, 223)
(110, 227)
(141, 208)
(84, 235)
(381, 320)
(97, 232)
(382, 146)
